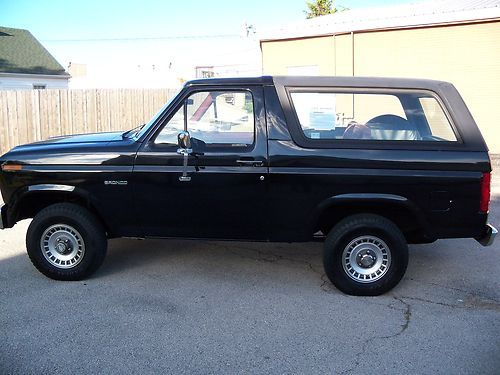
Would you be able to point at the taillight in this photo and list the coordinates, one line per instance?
(485, 192)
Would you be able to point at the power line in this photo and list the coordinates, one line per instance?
(173, 37)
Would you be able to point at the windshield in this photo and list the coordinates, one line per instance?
(145, 128)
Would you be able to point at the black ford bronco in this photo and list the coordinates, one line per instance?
(367, 164)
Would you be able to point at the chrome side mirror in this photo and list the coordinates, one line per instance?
(184, 143)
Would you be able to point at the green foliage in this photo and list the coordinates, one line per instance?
(321, 8)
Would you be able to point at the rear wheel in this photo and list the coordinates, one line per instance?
(66, 242)
(365, 255)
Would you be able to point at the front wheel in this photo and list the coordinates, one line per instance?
(365, 255)
(66, 242)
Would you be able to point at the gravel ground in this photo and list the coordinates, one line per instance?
(174, 306)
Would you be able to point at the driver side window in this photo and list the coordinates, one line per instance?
(214, 119)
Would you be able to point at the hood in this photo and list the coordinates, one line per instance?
(70, 141)
(54, 150)
(81, 138)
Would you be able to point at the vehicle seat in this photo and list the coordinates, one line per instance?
(355, 130)
(392, 128)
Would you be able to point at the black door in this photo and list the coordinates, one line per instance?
(221, 191)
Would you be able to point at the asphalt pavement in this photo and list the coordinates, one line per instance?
(175, 306)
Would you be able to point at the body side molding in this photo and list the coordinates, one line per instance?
(50, 187)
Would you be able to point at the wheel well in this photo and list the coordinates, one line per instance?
(406, 220)
(33, 203)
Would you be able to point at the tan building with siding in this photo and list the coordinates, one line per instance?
(450, 40)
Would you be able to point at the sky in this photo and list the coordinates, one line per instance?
(154, 31)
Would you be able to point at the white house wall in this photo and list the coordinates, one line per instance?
(26, 83)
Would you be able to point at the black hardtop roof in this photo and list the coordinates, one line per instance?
(325, 81)
(264, 80)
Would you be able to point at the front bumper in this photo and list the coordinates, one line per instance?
(489, 235)
(2, 215)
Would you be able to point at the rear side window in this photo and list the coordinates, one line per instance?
(398, 116)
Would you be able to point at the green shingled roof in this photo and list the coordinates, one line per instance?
(20, 52)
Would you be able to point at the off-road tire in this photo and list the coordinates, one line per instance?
(360, 234)
(78, 225)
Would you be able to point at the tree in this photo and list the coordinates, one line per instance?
(321, 8)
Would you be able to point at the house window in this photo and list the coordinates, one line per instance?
(39, 87)
(207, 74)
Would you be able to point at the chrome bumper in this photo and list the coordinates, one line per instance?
(2, 225)
(489, 236)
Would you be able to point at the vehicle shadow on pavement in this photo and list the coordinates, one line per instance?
(298, 264)
(214, 259)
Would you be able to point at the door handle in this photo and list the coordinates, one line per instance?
(252, 163)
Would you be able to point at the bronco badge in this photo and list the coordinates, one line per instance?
(115, 182)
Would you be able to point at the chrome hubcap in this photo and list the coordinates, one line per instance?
(62, 246)
(366, 259)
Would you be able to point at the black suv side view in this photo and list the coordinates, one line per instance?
(367, 165)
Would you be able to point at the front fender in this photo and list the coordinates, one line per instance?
(39, 191)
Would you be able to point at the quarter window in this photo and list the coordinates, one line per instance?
(399, 116)
(438, 123)
(214, 119)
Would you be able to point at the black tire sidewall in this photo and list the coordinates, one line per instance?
(91, 232)
(371, 225)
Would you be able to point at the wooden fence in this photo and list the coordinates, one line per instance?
(33, 115)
